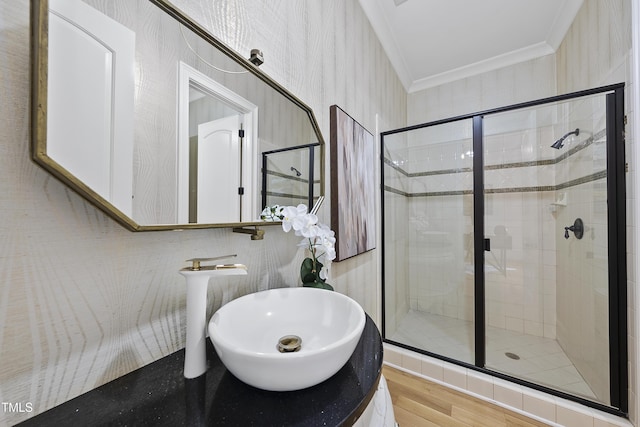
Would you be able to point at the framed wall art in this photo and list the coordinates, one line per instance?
(353, 185)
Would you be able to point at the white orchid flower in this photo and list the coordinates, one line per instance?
(318, 239)
(324, 273)
(329, 253)
(307, 227)
(290, 214)
(326, 240)
(271, 213)
(326, 233)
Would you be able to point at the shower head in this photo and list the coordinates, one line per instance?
(558, 144)
(296, 171)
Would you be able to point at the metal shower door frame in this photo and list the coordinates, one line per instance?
(617, 245)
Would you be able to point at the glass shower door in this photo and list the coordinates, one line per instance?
(546, 261)
(428, 216)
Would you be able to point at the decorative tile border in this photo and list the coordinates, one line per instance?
(594, 177)
(578, 147)
(570, 152)
(395, 191)
(586, 179)
(290, 177)
(287, 196)
(438, 172)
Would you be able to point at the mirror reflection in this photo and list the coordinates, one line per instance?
(159, 124)
(289, 176)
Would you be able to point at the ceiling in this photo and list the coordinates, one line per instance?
(431, 42)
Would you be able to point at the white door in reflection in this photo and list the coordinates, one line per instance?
(218, 161)
(214, 162)
(91, 99)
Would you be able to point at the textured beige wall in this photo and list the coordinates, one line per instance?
(82, 300)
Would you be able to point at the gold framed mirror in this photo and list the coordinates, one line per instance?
(160, 125)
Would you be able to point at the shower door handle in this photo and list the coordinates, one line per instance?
(487, 245)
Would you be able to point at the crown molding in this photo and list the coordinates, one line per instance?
(525, 54)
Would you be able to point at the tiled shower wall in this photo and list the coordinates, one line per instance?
(396, 247)
(519, 286)
(519, 83)
(437, 192)
(596, 51)
(582, 272)
(82, 300)
(533, 191)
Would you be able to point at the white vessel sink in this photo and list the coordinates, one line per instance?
(247, 331)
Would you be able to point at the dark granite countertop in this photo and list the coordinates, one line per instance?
(158, 394)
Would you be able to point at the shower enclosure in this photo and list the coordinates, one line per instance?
(289, 176)
(504, 243)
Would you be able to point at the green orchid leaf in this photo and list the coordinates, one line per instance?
(306, 271)
(309, 278)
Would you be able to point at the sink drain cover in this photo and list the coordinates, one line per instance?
(289, 344)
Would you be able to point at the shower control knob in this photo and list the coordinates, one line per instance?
(577, 228)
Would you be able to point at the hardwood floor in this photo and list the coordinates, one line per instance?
(418, 402)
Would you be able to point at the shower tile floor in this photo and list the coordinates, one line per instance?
(541, 360)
